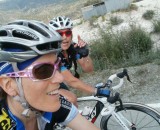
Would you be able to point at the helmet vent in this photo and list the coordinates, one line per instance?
(18, 23)
(34, 27)
(62, 24)
(3, 33)
(44, 26)
(67, 23)
(13, 47)
(60, 19)
(48, 46)
(24, 34)
(55, 25)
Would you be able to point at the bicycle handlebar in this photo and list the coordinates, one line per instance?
(108, 84)
(118, 75)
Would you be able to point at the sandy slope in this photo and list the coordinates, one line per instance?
(133, 17)
(145, 78)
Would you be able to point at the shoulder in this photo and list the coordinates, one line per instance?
(6, 117)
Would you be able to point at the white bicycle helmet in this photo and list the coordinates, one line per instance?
(34, 37)
(61, 22)
(24, 40)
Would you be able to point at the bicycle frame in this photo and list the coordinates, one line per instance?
(107, 110)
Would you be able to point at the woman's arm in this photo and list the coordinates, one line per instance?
(72, 119)
(80, 123)
(76, 83)
(86, 64)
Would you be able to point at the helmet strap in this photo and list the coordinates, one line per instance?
(20, 98)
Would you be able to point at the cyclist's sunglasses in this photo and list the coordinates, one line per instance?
(37, 71)
(67, 33)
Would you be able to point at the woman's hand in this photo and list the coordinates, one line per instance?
(80, 43)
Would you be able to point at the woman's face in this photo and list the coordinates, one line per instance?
(66, 38)
(43, 95)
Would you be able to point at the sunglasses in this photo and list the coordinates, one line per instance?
(37, 71)
(67, 33)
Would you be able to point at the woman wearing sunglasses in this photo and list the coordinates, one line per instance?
(29, 80)
(72, 53)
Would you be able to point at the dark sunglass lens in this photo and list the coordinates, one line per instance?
(68, 33)
(43, 71)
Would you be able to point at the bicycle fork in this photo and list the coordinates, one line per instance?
(122, 120)
(124, 123)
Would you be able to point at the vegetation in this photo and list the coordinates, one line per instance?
(133, 7)
(148, 15)
(156, 25)
(126, 48)
(115, 20)
(92, 20)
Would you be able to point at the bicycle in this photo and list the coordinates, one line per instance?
(121, 116)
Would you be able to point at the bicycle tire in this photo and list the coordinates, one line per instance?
(144, 118)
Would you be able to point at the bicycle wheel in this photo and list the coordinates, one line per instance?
(141, 116)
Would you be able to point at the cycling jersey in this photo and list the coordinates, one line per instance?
(46, 121)
(71, 58)
(66, 62)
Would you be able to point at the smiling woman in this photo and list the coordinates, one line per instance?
(29, 80)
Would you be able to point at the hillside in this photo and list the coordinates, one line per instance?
(145, 78)
(90, 31)
(41, 11)
(29, 4)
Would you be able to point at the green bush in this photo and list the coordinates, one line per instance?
(148, 15)
(92, 20)
(156, 25)
(115, 20)
(133, 7)
(121, 49)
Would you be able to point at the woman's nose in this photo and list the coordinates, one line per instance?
(57, 78)
(63, 36)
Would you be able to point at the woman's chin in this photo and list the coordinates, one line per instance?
(56, 108)
(64, 47)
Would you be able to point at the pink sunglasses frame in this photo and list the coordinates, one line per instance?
(29, 73)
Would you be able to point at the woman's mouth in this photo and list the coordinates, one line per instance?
(54, 92)
(65, 43)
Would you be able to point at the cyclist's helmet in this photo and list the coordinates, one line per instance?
(29, 39)
(21, 43)
(61, 22)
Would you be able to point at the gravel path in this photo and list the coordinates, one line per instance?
(144, 89)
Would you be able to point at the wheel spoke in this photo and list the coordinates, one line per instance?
(138, 115)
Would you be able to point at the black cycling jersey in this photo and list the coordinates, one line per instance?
(46, 121)
(66, 63)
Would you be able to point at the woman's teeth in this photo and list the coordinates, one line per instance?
(55, 92)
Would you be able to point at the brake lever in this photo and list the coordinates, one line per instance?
(124, 73)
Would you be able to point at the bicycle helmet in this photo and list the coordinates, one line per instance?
(21, 43)
(61, 22)
(34, 37)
